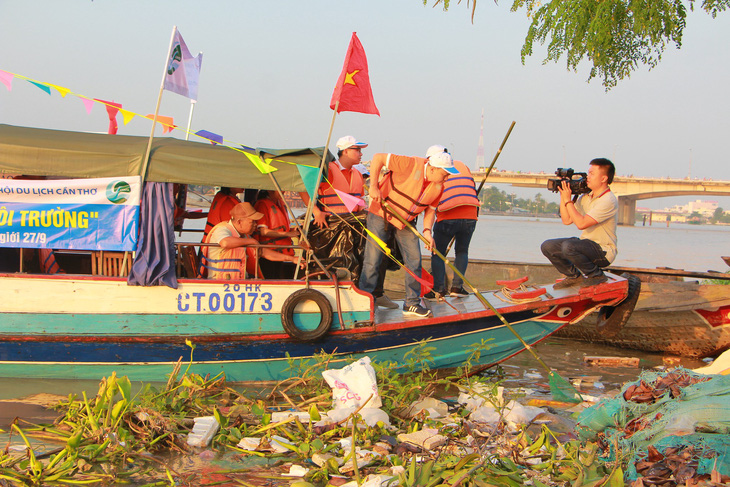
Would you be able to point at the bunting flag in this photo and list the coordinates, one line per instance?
(6, 79)
(183, 70)
(126, 115)
(260, 165)
(353, 87)
(351, 202)
(111, 109)
(310, 177)
(380, 242)
(63, 91)
(88, 104)
(168, 123)
(42, 86)
(213, 138)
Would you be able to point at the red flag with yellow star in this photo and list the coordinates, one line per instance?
(353, 88)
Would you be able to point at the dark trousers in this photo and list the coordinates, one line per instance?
(443, 231)
(574, 256)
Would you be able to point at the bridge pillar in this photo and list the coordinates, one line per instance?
(626, 210)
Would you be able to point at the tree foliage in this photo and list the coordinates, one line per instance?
(615, 36)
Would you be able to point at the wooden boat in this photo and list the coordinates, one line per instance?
(84, 326)
(678, 312)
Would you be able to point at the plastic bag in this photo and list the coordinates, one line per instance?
(353, 385)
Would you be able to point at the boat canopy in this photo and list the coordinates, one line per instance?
(59, 153)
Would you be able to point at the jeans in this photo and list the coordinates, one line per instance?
(574, 256)
(410, 250)
(443, 231)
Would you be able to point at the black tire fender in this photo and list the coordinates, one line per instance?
(325, 311)
(612, 318)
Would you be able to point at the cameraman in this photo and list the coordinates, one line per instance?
(595, 214)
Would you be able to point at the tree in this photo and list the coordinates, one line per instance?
(616, 36)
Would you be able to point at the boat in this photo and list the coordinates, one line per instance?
(138, 315)
(678, 312)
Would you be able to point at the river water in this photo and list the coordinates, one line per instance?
(680, 246)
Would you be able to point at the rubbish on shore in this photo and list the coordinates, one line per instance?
(203, 431)
(611, 361)
(721, 365)
(354, 385)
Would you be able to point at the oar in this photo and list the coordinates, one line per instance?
(560, 388)
(486, 174)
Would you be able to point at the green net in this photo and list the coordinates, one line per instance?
(679, 409)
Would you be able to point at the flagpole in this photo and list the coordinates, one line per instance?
(312, 200)
(190, 119)
(145, 161)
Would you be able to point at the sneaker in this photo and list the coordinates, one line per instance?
(416, 310)
(568, 282)
(458, 292)
(594, 281)
(434, 295)
(385, 302)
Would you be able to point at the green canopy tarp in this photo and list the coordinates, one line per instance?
(58, 153)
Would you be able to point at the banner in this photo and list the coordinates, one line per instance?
(80, 214)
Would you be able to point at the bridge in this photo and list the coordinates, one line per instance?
(628, 189)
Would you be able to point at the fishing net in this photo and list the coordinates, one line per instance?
(562, 390)
(664, 412)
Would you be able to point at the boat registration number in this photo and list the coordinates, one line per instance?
(233, 299)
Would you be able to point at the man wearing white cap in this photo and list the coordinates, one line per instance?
(456, 219)
(410, 186)
(341, 177)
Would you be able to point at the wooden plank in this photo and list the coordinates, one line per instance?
(670, 272)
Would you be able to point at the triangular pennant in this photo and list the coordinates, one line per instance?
(310, 176)
(126, 115)
(42, 86)
(63, 91)
(88, 103)
(256, 161)
(351, 202)
(6, 79)
(378, 241)
(112, 109)
(213, 138)
(423, 282)
(167, 122)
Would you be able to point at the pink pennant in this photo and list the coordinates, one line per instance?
(88, 103)
(111, 109)
(351, 202)
(6, 79)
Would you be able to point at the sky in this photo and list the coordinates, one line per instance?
(269, 69)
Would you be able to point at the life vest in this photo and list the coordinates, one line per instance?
(48, 262)
(220, 210)
(408, 194)
(459, 190)
(337, 180)
(278, 221)
(234, 263)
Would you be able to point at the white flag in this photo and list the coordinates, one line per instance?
(183, 70)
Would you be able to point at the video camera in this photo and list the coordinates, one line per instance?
(577, 186)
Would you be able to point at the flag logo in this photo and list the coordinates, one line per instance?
(118, 192)
(175, 59)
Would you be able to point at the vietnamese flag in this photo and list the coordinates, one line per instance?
(353, 88)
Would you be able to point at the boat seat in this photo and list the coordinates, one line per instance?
(189, 260)
(513, 284)
(529, 294)
(106, 263)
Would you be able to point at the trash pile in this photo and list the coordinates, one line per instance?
(672, 427)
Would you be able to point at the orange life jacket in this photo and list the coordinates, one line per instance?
(236, 264)
(220, 210)
(278, 221)
(459, 190)
(338, 181)
(407, 193)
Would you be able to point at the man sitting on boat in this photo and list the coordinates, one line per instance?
(221, 206)
(235, 257)
(410, 186)
(581, 259)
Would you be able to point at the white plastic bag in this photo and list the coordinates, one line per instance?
(353, 385)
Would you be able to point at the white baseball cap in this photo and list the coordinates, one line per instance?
(443, 160)
(349, 141)
(435, 149)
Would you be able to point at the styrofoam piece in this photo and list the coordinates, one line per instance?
(204, 429)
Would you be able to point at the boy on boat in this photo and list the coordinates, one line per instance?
(235, 257)
(581, 259)
(410, 186)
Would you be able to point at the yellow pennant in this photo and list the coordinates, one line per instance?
(379, 242)
(63, 91)
(127, 115)
(256, 161)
